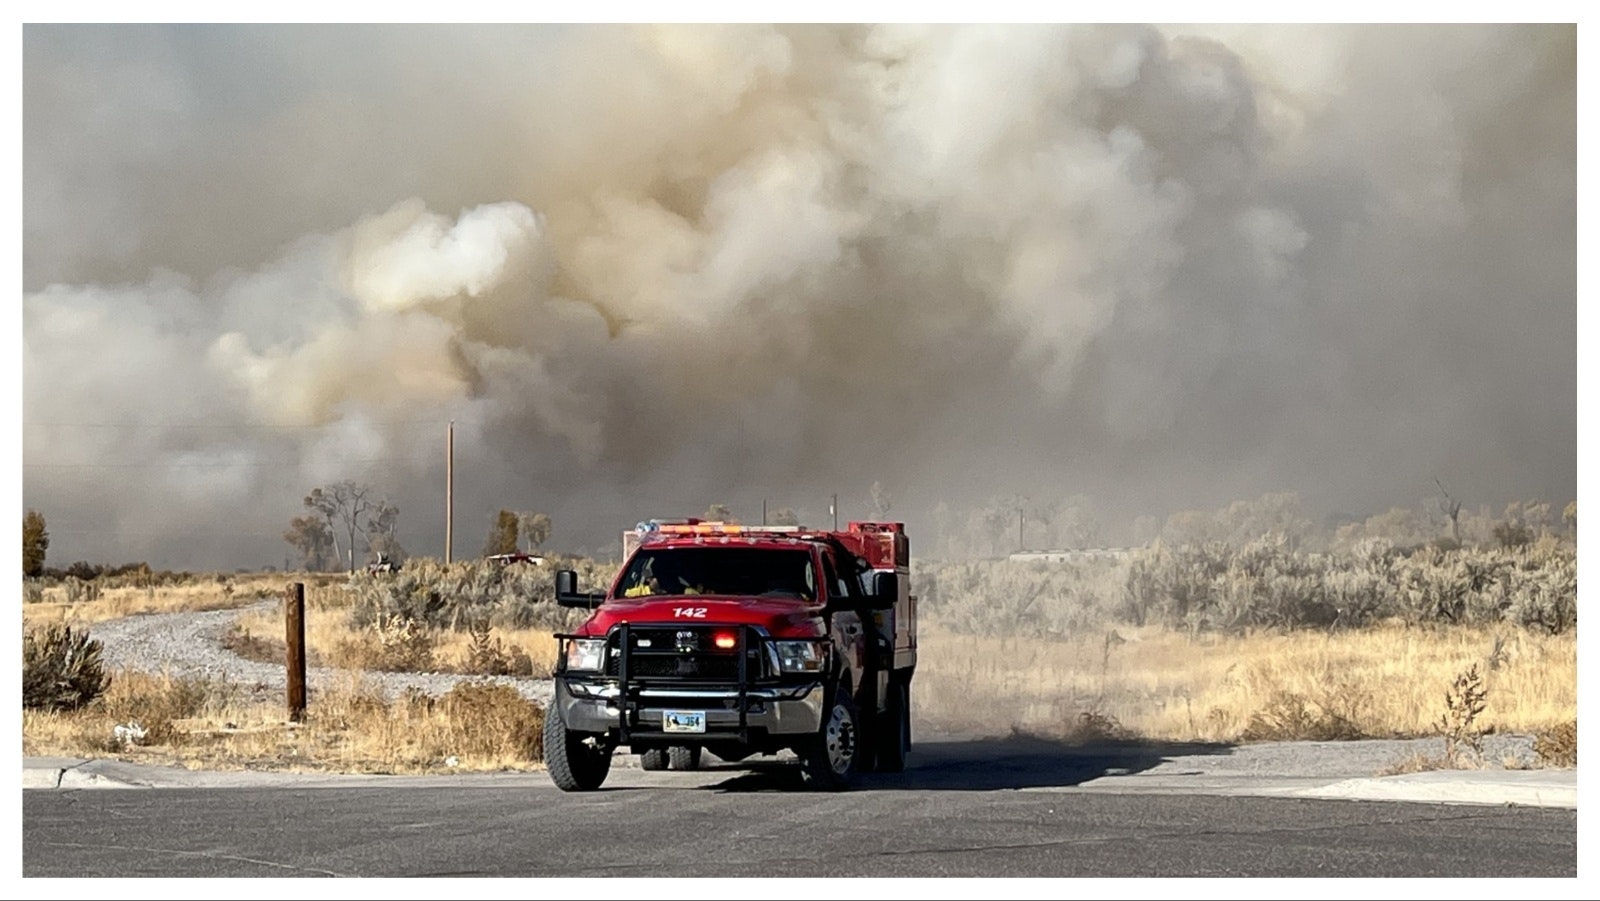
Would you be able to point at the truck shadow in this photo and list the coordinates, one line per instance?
(987, 764)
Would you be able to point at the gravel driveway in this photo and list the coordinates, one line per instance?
(190, 644)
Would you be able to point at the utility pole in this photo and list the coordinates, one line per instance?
(763, 511)
(449, 489)
(1020, 545)
(833, 507)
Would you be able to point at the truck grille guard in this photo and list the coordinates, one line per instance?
(623, 646)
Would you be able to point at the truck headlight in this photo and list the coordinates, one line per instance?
(585, 654)
(802, 656)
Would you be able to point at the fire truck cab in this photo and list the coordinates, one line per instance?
(740, 640)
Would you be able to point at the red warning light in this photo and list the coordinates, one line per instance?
(725, 640)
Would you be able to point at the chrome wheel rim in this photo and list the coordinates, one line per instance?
(841, 740)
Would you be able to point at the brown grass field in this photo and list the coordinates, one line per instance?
(1149, 683)
(1162, 684)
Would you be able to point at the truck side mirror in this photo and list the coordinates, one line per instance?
(568, 595)
(885, 590)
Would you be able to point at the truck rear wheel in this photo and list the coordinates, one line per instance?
(684, 758)
(892, 741)
(578, 761)
(830, 759)
(653, 759)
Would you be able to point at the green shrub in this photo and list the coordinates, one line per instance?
(61, 669)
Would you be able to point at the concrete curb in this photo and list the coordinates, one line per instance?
(41, 778)
(1523, 788)
(74, 772)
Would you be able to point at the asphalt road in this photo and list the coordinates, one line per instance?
(964, 810)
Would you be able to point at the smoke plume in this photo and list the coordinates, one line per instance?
(648, 269)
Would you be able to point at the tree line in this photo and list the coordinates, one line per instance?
(345, 519)
(346, 524)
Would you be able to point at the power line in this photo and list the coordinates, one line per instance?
(294, 464)
(168, 426)
(165, 533)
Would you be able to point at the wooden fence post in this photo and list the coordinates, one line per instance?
(294, 620)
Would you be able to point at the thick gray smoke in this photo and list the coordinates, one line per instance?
(645, 270)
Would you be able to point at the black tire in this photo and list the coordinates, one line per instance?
(653, 759)
(830, 759)
(578, 761)
(892, 741)
(684, 758)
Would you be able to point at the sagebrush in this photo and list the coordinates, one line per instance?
(1558, 745)
(61, 668)
(1266, 583)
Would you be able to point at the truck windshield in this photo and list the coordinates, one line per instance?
(720, 570)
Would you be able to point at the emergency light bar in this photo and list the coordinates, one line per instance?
(717, 528)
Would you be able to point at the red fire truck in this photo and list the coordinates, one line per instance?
(740, 640)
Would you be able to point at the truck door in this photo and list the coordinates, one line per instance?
(847, 628)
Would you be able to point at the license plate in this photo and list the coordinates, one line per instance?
(683, 721)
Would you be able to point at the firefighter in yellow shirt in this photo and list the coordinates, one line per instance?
(657, 580)
(648, 583)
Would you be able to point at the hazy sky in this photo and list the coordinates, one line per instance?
(649, 269)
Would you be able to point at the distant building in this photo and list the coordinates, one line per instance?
(1073, 555)
(532, 559)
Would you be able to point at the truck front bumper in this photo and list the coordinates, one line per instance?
(593, 705)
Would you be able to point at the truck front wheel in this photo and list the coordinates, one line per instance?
(830, 759)
(578, 761)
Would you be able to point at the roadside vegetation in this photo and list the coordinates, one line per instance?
(1216, 640)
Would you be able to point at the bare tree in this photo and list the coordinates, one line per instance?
(348, 508)
(1000, 520)
(719, 513)
(881, 502)
(1146, 528)
(785, 516)
(1450, 508)
(381, 533)
(321, 501)
(1074, 521)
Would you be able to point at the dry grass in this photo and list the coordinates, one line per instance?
(332, 641)
(349, 728)
(202, 593)
(1389, 681)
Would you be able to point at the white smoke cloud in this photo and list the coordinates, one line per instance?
(408, 256)
(650, 269)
